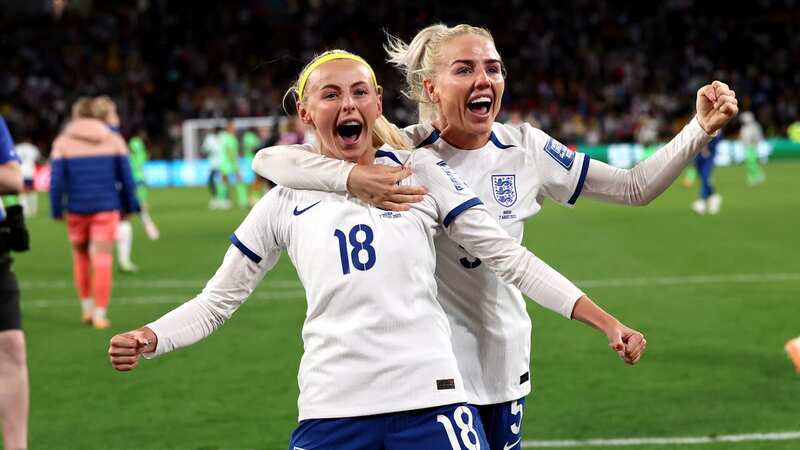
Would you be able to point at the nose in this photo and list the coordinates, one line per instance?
(483, 80)
(348, 104)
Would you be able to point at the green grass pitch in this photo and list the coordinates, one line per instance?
(716, 296)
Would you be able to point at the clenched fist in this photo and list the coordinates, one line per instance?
(124, 349)
(716, 106)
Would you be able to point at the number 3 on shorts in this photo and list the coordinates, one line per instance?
(469, 437)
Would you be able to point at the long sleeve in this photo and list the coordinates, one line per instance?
(194, 320)
(476, 231)
(57, 179)
(301, 167)
(648, 179)
(128, 201)
(257, 245)
(468, 223)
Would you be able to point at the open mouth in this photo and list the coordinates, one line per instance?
(480, 105)
(349, 131)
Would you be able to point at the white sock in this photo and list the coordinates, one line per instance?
(124, 242)
(33, 202)
(99, 313)
(87, 304)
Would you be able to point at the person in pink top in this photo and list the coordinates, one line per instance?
(92, 181)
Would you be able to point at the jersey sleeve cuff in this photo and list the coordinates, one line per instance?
(694, 127)
(344, 175)
(160, 347)
(455, 212)
(251, 255)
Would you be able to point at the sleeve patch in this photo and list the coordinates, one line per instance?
(564, 156)
(458, 184)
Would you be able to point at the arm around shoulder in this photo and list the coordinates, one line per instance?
(300, 167)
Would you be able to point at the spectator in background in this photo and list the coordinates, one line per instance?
(793, 132)
(291, 131)
(28, 198)
(13, 367)
(515, 119)
(88, 162)
(752, 135)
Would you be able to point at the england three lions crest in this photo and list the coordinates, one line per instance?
(505, 189)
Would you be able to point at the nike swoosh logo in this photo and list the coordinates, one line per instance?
(297, 212)
(508, 446)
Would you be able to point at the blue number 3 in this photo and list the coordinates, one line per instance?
(358, 247)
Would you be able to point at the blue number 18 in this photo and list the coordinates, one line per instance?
(358, 247)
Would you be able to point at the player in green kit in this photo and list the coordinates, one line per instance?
(250, 144)
(138, 158)
(229, 166)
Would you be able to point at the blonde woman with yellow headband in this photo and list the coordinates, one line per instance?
(378, 370)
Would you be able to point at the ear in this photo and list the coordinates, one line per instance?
(304, 114)
(430, 89)
(380, 100)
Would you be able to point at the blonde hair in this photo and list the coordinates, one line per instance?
(383, 131)
(82, 108)
(100, 107)
(418, 60)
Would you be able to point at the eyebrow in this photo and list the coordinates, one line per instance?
(334, 86)
(471, 62)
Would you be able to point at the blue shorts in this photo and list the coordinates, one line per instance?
(455, 427)
(503, 424)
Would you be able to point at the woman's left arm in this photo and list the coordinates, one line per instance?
(716, 106)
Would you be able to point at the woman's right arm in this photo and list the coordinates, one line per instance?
(256, 247)
(196, 319)
(300, 167)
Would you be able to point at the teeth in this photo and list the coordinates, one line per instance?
(351, 122)
(480, 99)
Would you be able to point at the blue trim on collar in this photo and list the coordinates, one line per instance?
(243, 248)
(581, 180)
(385, 154)
(493, 138)
(433, 137)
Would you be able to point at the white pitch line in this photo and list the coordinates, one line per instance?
(150, 284)
(692, 279)
(612, 282)
(161, 299)
(677, 440)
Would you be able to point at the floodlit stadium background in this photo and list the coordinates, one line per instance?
(716, 296)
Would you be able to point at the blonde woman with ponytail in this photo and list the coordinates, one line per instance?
(378, 369)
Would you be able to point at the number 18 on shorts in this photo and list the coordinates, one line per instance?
(449, 427)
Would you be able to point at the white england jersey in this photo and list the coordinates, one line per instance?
(376, 339)
(491, 328)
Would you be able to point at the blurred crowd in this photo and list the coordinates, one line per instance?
(585, 71)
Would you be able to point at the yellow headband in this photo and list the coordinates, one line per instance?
(330, 56)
